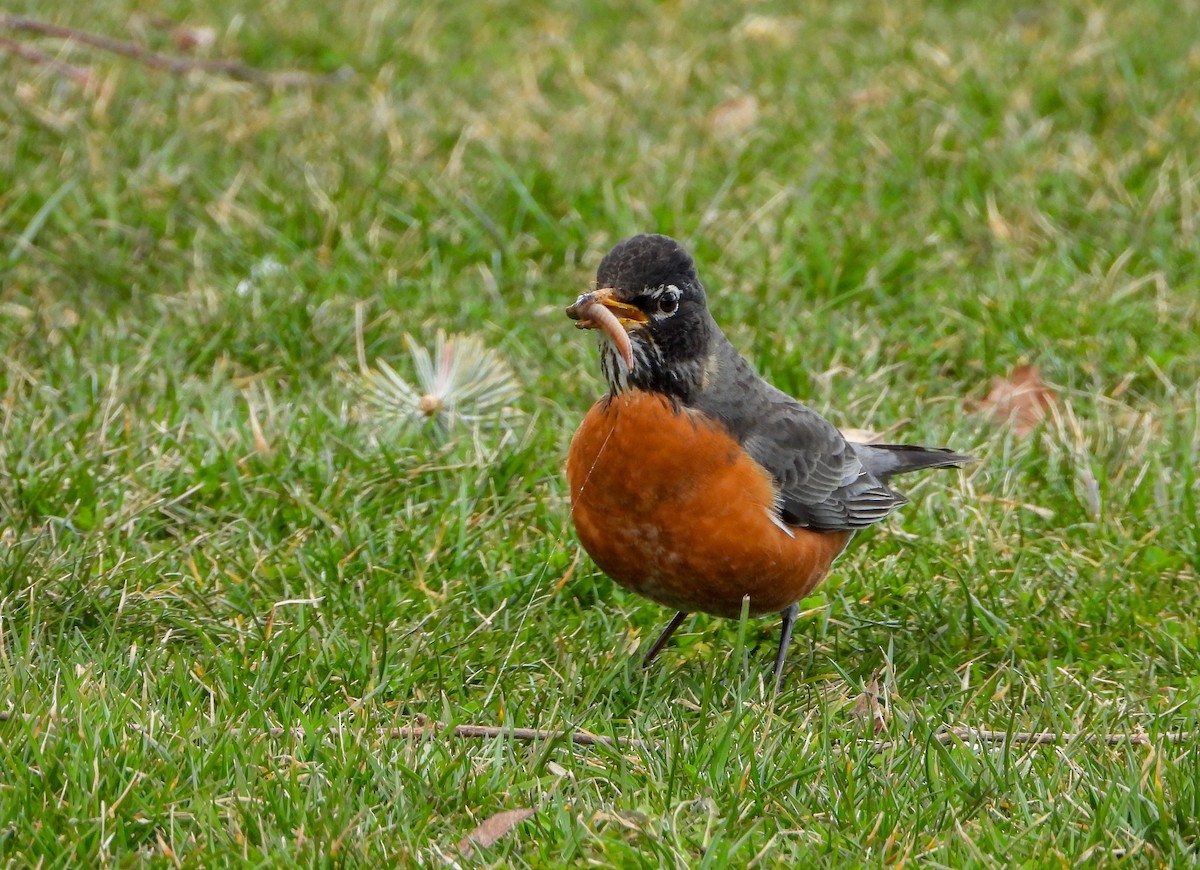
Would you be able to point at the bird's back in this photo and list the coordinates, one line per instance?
(824, 481)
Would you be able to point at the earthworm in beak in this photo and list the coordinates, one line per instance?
(595, 311)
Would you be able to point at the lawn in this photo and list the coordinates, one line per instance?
(229, 583)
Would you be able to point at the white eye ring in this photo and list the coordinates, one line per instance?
(668, 302)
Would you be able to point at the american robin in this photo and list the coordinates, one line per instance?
(694, 482)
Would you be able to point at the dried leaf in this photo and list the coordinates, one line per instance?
(861, 436)
(194, 39)
(870, 436)
(493, 829)
(1020, 400)
(869, 707)
(996, 223)
(869, 96)
(734, 116)
(766, 29)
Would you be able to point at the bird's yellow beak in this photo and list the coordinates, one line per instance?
(600, 309)
(627, 315)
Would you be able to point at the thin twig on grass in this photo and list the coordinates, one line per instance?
(417, 732)
(950, 734)
(77, 74)
(168, 63)
(1042, 738)
(946, 735)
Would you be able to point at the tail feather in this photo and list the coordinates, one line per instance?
(885, 460)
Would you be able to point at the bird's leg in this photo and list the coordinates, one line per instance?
(789, 620)
(675, 622)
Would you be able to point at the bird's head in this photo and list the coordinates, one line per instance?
(651, 308)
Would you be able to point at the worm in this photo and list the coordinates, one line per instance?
(592, 313)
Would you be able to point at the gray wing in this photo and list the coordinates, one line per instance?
(822, 481)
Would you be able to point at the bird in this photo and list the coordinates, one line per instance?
(693, 481)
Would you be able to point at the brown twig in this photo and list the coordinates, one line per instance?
(1044, 738)
(77, 74)
(951, 734)
(947, 735)
(417, 732)
(168, 63)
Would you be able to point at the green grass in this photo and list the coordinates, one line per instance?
(929, 195)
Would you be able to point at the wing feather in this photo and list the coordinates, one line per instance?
(822, 482)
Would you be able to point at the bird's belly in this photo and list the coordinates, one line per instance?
(671, 507)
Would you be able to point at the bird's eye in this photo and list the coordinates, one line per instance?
(668, 302)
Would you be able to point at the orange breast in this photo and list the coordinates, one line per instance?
(671, 507)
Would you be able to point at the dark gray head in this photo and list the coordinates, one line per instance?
(651, 306)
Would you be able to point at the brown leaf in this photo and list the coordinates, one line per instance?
(493, 829)
(861, 436)
(194, 39)
(1020, 400)
(869, 707)
(734, 116)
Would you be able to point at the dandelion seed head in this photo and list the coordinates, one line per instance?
(461, 382)
(429, 404)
